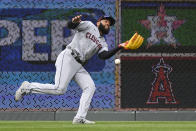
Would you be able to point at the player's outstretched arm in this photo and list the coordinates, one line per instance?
(107, 54)
(134, 43)
(74, 22)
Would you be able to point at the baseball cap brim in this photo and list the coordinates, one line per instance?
(111, 19)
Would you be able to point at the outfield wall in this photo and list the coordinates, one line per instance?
(160, 76)
(102, 116)
(32, 34)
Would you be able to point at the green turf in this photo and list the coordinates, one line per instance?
(99, 126)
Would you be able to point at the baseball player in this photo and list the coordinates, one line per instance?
(87, 41)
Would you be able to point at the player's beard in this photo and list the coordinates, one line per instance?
(103, 30)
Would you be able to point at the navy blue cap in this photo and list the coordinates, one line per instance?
(110, 18)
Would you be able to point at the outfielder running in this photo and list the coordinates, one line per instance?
(87, 41)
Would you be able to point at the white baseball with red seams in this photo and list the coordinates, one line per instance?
(87, 41)
(117, 61)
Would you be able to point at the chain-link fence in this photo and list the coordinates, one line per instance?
(32, 34)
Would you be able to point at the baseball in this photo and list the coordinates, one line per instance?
(117, 61)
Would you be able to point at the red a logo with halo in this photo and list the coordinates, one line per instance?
(161, 86)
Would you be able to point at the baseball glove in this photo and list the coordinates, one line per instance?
(134, 43)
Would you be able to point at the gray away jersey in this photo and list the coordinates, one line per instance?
(87, 40)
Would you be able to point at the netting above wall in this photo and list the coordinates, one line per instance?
(32, 34)
(161, 74)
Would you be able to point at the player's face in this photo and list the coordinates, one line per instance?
(106, 23)
(104, 26)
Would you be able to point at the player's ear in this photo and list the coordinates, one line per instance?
(98, 23)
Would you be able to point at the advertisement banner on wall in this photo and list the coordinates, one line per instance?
(32, 34)
(33, 38)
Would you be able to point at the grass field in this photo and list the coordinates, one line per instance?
(99, 126)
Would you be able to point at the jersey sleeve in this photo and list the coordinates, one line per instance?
(84, 25)
(104, 48)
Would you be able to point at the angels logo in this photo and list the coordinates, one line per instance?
(161, 87)
(162, 27)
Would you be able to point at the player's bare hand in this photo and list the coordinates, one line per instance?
(123, 44)
(77, 19)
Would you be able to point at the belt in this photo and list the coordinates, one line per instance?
(76, 55)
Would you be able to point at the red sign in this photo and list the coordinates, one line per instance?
(161, 86)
